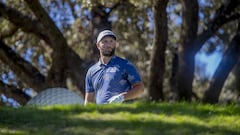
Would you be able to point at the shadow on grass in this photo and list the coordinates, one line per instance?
(34, 120)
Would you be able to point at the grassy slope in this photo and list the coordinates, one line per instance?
(133, 119)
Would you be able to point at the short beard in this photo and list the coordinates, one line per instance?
(109, 54)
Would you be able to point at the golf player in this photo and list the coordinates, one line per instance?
(112, 79)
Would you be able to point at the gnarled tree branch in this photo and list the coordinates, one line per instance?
(223, 15)
(61, 52)
(27, 24)
(24, 22)
(13, 92)
(230, 58)
(23, 69)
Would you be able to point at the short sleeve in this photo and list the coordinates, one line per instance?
(133, 75)
(88, 83)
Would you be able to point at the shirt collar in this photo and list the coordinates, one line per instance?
(99, 63)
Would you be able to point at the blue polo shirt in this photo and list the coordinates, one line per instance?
(111, 79)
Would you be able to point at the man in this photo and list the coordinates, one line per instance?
(112, 79)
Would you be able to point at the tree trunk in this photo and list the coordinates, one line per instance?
(173, 77)
(157, 66)
(236, 73)
(185, 52)
(229, 60)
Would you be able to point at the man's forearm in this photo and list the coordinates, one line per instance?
(136, 90)
(89, 98)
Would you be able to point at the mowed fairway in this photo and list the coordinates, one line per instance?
(122, 119)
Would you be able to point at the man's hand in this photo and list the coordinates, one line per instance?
(116, 99)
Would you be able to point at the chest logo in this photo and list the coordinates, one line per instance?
(112, 69)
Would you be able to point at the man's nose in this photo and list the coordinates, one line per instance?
(108, 44)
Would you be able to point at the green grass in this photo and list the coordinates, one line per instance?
(124, 119)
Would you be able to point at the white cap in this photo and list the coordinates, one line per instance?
(105, 33)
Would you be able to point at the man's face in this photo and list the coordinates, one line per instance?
(107, 46)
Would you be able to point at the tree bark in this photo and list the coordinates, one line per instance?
(229, 60)
(185, 53)
(157, 65)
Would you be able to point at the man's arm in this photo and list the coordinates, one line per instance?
(89, 98)
(133, 93)
(136, 90)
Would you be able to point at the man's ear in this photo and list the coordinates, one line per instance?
(97, 45)
(117, 44)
